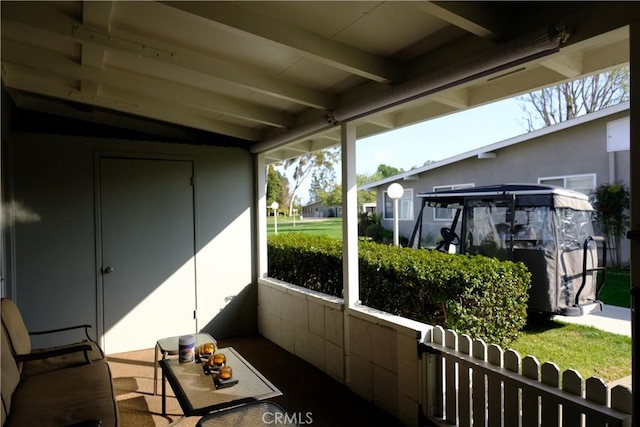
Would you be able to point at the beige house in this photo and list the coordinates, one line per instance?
(579, 154)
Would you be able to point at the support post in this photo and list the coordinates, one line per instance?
(261, 214)
(634, 62)
(351, 287)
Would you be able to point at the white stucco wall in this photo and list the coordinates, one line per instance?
(55, 243)
(576, 150)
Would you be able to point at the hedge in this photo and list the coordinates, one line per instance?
(476, 295)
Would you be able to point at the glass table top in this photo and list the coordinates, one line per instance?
(197, 394)
(259, 414)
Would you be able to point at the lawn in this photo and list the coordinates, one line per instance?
(585, 349)
(588, 350)
(617, 289)
(332, 227)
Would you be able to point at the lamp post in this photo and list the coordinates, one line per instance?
(395, 191)
(274, 206)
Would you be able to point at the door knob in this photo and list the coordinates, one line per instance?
(106, 270)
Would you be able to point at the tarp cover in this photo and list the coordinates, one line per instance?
(547, 232)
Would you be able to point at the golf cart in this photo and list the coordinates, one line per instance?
(547, 228)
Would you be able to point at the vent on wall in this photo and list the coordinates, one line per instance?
(487, 155)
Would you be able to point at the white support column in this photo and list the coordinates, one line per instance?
(351, 290)
(634, 60)
(349, 216)
(261, 215)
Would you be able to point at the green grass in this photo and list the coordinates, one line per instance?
(587, 350)
(591, 352)
(331, 227)
(616, 289)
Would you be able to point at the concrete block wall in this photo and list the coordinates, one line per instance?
(383, 361)
(306, 323)
(381, 352)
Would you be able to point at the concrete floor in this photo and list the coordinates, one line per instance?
(306, 390)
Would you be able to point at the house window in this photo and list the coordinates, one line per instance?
(583, 183)
(443, 214)
(405, 206)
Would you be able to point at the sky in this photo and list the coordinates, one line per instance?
(437, 139)
(441, 138)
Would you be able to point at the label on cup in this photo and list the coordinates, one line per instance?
(186, 349)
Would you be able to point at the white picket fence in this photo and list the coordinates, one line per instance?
(469, 383)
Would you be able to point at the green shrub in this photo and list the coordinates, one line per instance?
(307, 260)
(480, 296)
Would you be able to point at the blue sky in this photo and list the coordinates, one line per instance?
(441, 138)
(437, 139)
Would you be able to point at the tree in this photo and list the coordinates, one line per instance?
(304, 166)
(385, 171)
(365, 196)
(323, 180)
(611, 204)
(568, 100)
(274, 186)
(331, 197)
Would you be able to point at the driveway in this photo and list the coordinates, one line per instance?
(612, 319)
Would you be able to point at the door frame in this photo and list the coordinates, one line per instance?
(97, 157)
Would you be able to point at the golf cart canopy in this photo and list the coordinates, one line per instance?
(547, 228)
(531, 195)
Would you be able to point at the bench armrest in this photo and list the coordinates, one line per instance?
(60, 351)
(68, 328)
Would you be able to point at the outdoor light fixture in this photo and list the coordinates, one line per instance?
(275, 206)
(395, 191)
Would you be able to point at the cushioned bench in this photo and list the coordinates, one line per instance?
(68, 385)
(34, 361)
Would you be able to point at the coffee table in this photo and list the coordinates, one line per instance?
(197, 394)
(257, 414)
(170, 346)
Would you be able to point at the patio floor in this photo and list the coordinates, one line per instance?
(305, 389)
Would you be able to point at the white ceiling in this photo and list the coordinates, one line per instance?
(278, 77)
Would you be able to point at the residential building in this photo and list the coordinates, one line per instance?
(320, 210)
(579, 154)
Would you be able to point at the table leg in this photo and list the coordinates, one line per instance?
(155, 372)
(164, 396)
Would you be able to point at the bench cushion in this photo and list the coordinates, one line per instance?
(64, 397)
(10, 376)
(20, 343)
(35, 367)
(16, 329)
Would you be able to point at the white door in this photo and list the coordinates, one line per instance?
(147, 236)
